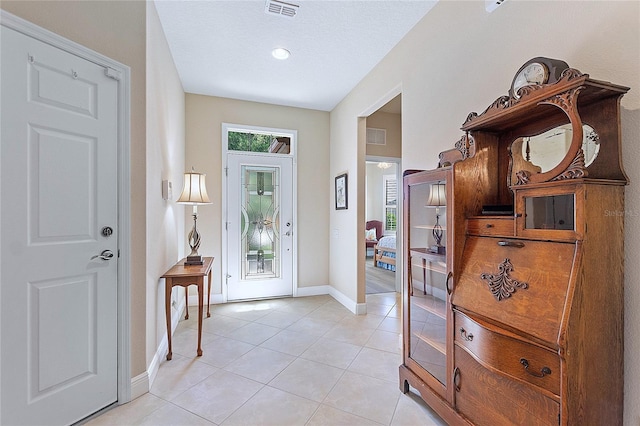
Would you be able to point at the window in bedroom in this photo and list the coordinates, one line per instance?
(390, 202)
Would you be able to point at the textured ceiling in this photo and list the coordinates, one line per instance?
(223, 48)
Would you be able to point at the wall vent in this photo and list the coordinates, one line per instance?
(491, 5)
(376, 136)
(286, 10)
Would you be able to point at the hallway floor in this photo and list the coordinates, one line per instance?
(303, 361)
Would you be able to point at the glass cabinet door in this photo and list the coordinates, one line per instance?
(426, 278)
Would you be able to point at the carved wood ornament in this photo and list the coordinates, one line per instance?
(502, 286)
(576, 169)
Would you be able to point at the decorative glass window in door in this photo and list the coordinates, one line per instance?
(260, 207)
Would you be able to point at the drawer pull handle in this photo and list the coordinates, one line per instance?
(515, 244)
(489, 225)
(465, 336)
(544, 372)
(456, 379)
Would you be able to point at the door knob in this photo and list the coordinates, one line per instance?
(105, 255)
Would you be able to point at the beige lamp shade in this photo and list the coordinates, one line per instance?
(194, 190)
(437, 195)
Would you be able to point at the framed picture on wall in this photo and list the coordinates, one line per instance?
(341, 192)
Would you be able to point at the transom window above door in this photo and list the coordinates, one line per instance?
(258, 142)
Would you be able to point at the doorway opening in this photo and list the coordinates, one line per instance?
(383, 185)
(381, 215)
(260, 212)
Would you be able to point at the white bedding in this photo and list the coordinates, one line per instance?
(388, 241)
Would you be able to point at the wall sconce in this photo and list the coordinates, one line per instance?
(437, 199)
(194, 193)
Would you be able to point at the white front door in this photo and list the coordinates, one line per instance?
(260, 226)
(58, 296)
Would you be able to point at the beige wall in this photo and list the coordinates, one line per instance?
(459, 59)
(165, 161)
(204, 118)
(392, 123)
(115, 29)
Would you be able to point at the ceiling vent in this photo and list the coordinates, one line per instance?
(491, 5)
(286, 10)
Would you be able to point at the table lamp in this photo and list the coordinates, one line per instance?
(194, 193)
(437, 199)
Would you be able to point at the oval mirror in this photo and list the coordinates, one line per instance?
(543, 152)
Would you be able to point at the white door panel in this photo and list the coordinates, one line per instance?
(260, 226)
(59, 189)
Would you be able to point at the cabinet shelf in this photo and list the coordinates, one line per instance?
(429, 227)
(436, 343)
(440, 268)
(431, 304)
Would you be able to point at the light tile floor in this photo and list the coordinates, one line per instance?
(303, 361)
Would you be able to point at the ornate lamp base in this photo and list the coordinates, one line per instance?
(193, 260)
(194, 242)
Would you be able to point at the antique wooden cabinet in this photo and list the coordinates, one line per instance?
(519, 320)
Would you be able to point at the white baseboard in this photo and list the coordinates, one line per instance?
(163, 347)
(140, 385)
(315, 290)
(356, 308)
(215, 299)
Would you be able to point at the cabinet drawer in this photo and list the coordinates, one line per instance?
(490, 399)
(491, 226)
(520, 283)
(510, 356)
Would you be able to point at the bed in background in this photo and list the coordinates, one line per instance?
(384, 253)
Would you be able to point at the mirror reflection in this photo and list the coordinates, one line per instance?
(543, 152)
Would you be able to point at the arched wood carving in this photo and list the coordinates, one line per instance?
(576, 169)
(526, 93)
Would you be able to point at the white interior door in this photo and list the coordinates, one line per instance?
(260, 226)
(59, 190)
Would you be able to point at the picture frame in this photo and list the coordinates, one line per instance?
(341, 192)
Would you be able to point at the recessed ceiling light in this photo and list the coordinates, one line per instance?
(280, 53)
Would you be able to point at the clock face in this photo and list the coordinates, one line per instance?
(534, 73)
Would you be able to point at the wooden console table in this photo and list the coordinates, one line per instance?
(184, 276)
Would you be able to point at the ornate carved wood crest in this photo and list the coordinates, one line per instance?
(502, 286)
(463, 145)
(523, 177)
(576, 169)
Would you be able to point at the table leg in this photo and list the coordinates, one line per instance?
(424, 276)
(168, 284)
(186, 303)
(200, 311)
(209, 295)
(410, 278)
